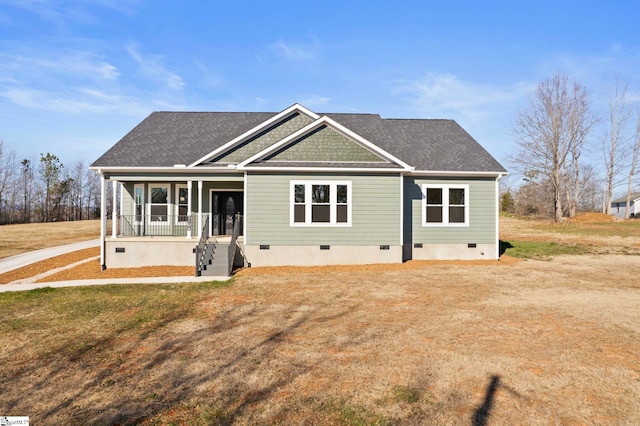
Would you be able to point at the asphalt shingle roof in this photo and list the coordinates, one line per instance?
(164, 139)
(623, 199)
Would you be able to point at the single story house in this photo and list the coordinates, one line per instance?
(296, 188)
(619, 206)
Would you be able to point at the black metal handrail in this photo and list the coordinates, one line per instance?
(232, 244)
(201, 246)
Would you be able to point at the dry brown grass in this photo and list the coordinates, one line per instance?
(16, 239)
(528, 342)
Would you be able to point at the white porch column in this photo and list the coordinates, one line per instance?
(103, 217)
(199, 209)
(189, 184)
(114, 210)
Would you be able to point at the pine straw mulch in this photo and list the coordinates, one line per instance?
(92, 269)
(89, 270)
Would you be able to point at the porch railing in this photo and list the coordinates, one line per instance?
(200, 248)
(232, 244)
(158, 225)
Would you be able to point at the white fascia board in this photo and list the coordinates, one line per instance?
(324, 120)
(444, 173)
(169, 170)
(257, 129)
(322, 169)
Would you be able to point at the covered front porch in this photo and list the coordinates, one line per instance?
(162, 220)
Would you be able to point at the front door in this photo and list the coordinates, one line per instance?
(225, 205)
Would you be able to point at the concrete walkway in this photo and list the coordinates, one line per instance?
(18, 261)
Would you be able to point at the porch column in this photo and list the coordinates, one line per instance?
(189, 183)
(199, 209)
(103, 217)
(114, 210)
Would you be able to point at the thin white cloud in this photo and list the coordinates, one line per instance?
(314, 101)
(79, 64)
(63, 12)
(445, 95)
(77, 101)
(297, 51)
(151, 66)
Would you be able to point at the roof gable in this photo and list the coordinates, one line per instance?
(323, 143)
(263, 139)
(259, 137)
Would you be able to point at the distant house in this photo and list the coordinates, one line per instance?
(297, 188)
(619, 205)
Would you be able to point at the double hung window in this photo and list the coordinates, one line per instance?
(159, 203)
(445, 205)
(138, 199)
(182, 204)
(320, 203)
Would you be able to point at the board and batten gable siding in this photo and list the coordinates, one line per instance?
(482, 213)
(375, 211)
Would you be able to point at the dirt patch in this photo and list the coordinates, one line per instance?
(591, 217)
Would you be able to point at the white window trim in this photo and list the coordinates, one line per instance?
(177, 205)
(333, 198)
(135, 203)
(149, 204)
(445, 204)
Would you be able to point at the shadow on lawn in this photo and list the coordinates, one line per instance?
(482, 413)
(130, 377)
(504, 246)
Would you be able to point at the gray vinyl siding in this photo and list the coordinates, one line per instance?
(127, 199)
(482, 213)
(375, 211)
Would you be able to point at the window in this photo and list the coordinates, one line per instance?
(159, 205)
(182, 204)
(445, 205)
(320, 203)
(138, 199)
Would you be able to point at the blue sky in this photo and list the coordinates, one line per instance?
(77, 75)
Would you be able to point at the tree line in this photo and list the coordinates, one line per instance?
(554, 132)
(45, 190)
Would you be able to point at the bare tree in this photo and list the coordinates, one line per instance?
(7, 172)
(614, 143)
(26, 175)
(551, 135)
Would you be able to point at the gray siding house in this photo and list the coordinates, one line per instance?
(296, 188)
(619, 206)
